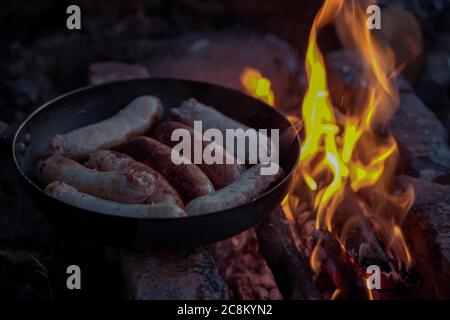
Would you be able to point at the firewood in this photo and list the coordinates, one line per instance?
(290, 269)
(358, 235)
(338, 267)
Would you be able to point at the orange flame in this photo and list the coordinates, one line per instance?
(350, 151)
(369, 293)
(335, 294)
(347, 155)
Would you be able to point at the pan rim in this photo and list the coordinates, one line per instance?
(285, 179)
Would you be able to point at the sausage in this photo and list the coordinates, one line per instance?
(249, 185)
(106, 160)
(191, 110)
(190, 181)
(220, 175)
(135, 119)
(133, 187)
(72, 196)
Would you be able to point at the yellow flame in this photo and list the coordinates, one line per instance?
(257, 85)
(312, 184)
(347, 150)
(336, 294)
(287, 209)
(369, 291)
(347, 155)
(314, 258)
(399, 241)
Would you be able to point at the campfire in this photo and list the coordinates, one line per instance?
(348, 163)
(366, 215)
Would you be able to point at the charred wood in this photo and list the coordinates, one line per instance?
(290, 269)
(358, 235)
(338, 267)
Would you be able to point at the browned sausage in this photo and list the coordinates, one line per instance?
(135, 119)
(72, 196)
(192, 110)
(106, 160)
(249, 185)
(133, 187)
(220, 175)
(190, 181)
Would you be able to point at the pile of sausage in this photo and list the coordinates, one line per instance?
(112, 167)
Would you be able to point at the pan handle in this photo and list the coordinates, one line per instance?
(6, 138)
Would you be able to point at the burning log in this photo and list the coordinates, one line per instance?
(333, 261)
(190, 275)
(358, 235)
(362, 244)
(355, 229)
(340, 268)
(290, 269)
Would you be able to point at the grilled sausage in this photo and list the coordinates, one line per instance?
(191, 110)
(72, 196)
(133, 187)
(249, 185)
(190, 181)
(135, 119)
(105, 160)
(220, 175)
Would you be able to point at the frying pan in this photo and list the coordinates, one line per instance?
(92, 104)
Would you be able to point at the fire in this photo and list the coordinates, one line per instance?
(257, 85)
(336, 294)
(348, 157)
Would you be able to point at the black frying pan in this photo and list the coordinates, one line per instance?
(88, 105)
